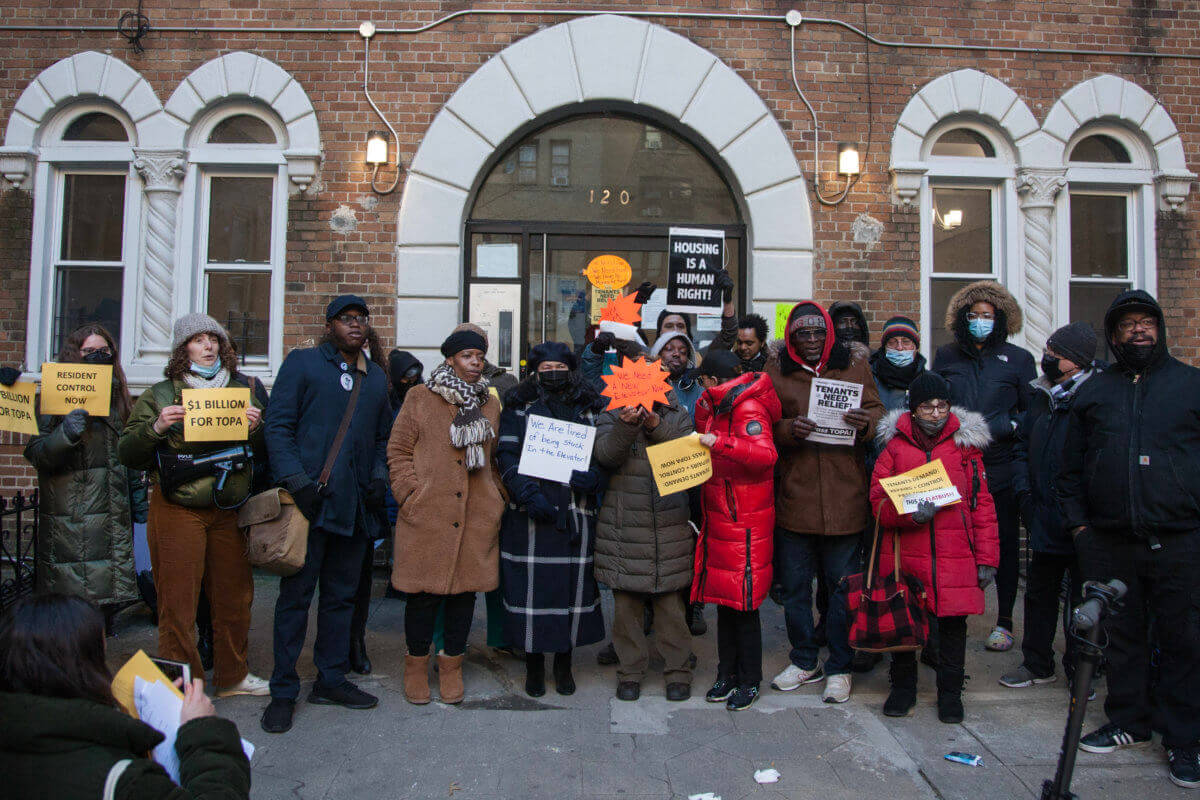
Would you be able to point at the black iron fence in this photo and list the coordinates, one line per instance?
(18, 546)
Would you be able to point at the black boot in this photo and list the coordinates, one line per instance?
(564, 681)
(360, 662)
(949, 695)
(903, 696)
(535, 674)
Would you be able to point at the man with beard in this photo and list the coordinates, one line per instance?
(1129, 489)
(850, 323)
(749, 343)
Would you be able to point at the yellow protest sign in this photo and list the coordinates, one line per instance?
(600, 299)
(215, 415)
(138, 666)
(16, 408)
(608, 272)
(66, 387)
(679, 464)
(929, 482)
(782, 310)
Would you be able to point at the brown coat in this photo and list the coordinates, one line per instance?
(822, 488)
(448, 527)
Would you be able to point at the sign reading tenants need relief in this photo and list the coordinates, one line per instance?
(828, 400)
(679, 464)
(553, 448)
(693, 258)
(16, 408)
(66, 387)
(216, 415)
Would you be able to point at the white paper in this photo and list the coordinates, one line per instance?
(553, 448)
(828, 400)
(497, 260)
(704, 796)
(159, 707)
(770, 775)
(939, 497)
(653, 307)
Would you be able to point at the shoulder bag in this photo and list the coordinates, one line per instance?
(887, 611)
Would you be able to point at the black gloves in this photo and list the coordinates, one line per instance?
(308, 500)
(724, 282)
(587, 482)
(643, 292)
(924, 513)
(74, 424)
(536, 504)
(376, 494)
(9, 376)
(602, 342)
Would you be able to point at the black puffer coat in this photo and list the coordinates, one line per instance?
(1131, 464)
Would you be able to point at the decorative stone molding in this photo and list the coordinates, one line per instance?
(16, 164)
(162, 172)
(1038, 190)
(1173, 188)
(906, 183)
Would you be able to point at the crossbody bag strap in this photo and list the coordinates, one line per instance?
(114, 775)
(340, 436)
(874, 546)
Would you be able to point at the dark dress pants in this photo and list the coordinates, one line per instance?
(1042, 589)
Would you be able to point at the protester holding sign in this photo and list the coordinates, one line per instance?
(735, 416)
(89, 499)
(953, 549)
(192, 530)
(547, 536)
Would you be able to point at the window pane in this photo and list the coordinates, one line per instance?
(241, 301)
(242, 129)
(962, 231)
(963, 143)
(93, 213)
(87, 295)
(606, 169)
(1089, 302)
(940, 292)
(1099, 239)
(95, 127)
(1102, 149)
(239, 220)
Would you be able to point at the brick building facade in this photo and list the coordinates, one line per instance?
(223, 168)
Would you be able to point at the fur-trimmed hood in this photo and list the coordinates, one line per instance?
(989, 292)
(972, 428)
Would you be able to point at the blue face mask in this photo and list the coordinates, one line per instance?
(980, 328)
(208, 373)
(900, 358)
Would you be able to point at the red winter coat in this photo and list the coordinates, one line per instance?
(944, 553)
(736, 545)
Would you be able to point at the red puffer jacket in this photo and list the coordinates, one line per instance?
(734, 552)
(944, 553)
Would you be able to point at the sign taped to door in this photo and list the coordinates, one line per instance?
(608, 272)
(694, 257)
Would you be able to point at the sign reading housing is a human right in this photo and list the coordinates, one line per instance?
(694, 256)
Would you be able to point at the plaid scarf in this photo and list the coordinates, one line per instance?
(470, 428)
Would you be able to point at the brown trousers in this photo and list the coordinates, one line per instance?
(671, 635)
(190, 548)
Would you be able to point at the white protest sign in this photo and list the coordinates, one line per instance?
(828, 400)
(553, 448)
(939, 497)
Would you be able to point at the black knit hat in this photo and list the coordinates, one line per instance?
(720, 364)
(551, 351)
(463, 340)
(1076, 342)
(927, 386)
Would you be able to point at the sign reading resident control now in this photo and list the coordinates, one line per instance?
(694, 256)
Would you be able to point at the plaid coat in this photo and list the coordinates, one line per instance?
(551, 603)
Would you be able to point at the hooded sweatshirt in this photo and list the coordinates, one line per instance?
(843, 307)
(686, 388)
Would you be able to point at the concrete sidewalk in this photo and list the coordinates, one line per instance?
(500, 743)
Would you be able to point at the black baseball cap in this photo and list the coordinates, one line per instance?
(340, 303)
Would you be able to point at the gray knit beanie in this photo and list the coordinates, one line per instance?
(189, 325)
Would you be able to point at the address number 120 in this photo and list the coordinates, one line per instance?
(608, 196)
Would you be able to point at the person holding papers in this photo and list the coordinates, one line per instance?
(952, 549)
(64, 734)
(548, 534)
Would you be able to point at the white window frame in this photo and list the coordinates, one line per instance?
(56, 160)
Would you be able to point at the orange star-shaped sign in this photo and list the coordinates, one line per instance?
(622, 309)
(636, 383)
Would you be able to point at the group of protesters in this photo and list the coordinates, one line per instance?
(1099, 461)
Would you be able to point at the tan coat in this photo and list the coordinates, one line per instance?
(448, 527)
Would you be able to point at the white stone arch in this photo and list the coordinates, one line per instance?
(78, 78)
(603, 57)
(1113, 99)
(246, 76)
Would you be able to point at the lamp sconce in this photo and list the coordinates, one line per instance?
(848, 160)
(377, 141)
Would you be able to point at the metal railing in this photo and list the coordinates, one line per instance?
(18, 546)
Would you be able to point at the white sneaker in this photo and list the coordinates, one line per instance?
(837, 689)
(251, 684)
(793, 677)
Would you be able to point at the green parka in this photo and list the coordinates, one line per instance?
(139, 442)
(88, 502)
(54, 748)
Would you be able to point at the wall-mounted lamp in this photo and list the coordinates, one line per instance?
(848, 164)
(377, 141)
(377, 148)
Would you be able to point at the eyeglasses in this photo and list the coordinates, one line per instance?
(971, 317)
(1143, 324)
(361, 320)
(934, 407)
(809, 334)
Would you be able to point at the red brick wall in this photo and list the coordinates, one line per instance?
(413, 76)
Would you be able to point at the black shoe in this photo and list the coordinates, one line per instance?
(695, 621)
(721, 689)
(359, 661)
(347, 695)
(903, 696)
(1185, 766)
(678, 692)
(1109, 738)
(629, 690)
(535, 674)
(949, 696)
(864, 661)
(742, 698)
(277, 717)
(564, 681)
(608, 656)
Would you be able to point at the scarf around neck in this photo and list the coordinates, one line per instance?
(470, 428)
(218, 381)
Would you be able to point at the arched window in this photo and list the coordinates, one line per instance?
(1100, 149)
(963, 143)
(95, 126)
(242, 129)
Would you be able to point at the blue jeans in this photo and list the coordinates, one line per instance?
(798, 556)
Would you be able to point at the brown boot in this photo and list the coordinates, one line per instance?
(416, 679)
(450, 679)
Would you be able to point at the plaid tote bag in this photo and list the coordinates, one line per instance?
(887, 611)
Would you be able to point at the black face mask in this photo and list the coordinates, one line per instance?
(1135, 356)
(554, 380)
(847, 334)
(98, 357)
(1051, 369)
